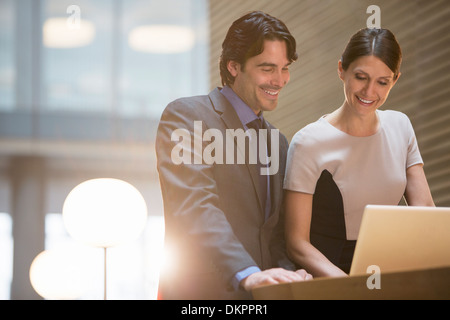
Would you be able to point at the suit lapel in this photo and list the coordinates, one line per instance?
(229, 116)
(275, 179)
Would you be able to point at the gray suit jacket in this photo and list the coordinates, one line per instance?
(214, 220)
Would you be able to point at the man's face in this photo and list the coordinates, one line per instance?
(260, 81)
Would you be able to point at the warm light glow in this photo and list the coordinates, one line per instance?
(161, 39)
(59, 33)
(104, 212)
(58, 275)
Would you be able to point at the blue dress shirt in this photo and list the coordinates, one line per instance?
(246, 115)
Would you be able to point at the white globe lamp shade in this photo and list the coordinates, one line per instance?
(57, 275)
(104, 212)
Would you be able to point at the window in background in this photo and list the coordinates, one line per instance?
(106, 88)
(134, 56)
(7, 61)
(163, 56)
(77, 55)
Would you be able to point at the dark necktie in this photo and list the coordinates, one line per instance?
(263, 179)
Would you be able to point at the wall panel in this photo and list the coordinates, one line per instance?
(322, 29)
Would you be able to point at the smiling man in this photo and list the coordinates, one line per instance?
(259, 82)
(224, 222)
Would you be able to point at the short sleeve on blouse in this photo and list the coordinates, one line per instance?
(414, 156)
(302, 167)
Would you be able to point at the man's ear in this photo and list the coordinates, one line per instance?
(340, 70)
(233, 68)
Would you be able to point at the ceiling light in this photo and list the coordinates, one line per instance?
(161, 39)
(57, 33)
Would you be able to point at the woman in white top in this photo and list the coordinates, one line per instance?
(355, 156)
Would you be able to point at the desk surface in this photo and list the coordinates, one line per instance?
(417, 284)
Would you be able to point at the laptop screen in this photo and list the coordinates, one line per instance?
(401, 238)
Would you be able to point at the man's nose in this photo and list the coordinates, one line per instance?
(280, 78)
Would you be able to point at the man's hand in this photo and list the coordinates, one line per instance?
(274, 276)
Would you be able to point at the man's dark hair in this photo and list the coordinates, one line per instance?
(245, 39)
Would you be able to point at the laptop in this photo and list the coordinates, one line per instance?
(402, 238)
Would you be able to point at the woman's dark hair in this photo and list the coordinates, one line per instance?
(245, 39)
(377, 42)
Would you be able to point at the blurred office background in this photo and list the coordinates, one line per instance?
(81, 99)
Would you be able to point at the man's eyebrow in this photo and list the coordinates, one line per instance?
(266, 64)
(269, 64)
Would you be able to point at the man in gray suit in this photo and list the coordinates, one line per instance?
(222, 204)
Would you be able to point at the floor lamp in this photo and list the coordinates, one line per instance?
(103, 213)
(57, 275)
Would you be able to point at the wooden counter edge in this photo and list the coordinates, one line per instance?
(427, 284)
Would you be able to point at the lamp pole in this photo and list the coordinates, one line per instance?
(104, 273)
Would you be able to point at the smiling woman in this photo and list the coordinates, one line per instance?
(367, 83)
(355, 156)
(369, 68)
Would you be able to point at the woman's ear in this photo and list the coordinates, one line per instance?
(396, 79)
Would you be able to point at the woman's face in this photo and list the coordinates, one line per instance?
(367, 82)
